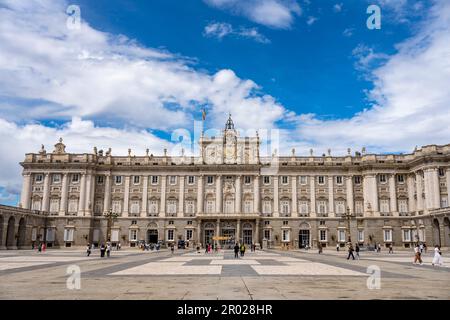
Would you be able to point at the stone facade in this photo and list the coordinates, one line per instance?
(231, 191)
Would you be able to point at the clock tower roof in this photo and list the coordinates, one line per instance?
(229, 125)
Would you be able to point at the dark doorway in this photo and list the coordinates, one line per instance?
(436, 233)
(10, 236)
(303, 238)
(22, 234)
(152, 236)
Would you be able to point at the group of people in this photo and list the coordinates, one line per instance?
(351, 250)
(40, 247)
(239, 249)
(420, 248)
(104, 249)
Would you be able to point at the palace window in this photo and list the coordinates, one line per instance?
(267, 206)
(384, 205)
(56, 178)
(400, 178)
(360, 235)
(267, 222)
(403, 206)
(341, 235)
(133, 235)
(303, 180)
(322, 222)
(73, 206)
(284, 180)
(170, 235)
(322, 207)
(100, 179)
(285, 222)
(153, 207)
(267, 234)
(285, 208)
(247, 179)
(406, 235)
(171, 222)
(321, 179)
(75, 177)
(358, 207)
(323, 235)
(98, 207)
(136, 179)
(266, 180)
(68, 234)
(190, 206)
(117, 206)
(387, 234)
(189, 234)
(189, 222)
(118, 180)
(286, 234)
(229, 205)
(357, 179)
(171, 206)
(441, 172)
(54, 205)
(248, 206)
(210, 206)
(172, 180)
(382, 178)
(303, 207)
(209, 179)
(191, 180)
(340, 207)
(444, 202)
(154, 179)
(339, 180)
(134, 207)
(39, 178)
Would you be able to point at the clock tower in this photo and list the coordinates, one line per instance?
(230, 142)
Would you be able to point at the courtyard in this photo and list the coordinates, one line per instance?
(186, 274)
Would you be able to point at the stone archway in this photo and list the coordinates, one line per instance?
(446, 232)
(10, 234)
(436, 233)
(22, 234)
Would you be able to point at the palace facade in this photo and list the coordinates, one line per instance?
(228, 190)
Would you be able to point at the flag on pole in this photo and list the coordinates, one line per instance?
(203, 114)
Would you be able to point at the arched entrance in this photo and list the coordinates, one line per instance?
(22, 233)
(209, 233)
(304, 236)
(436, 233)
(447, 232)
(10, 236)
(247, 233)
(152, 235)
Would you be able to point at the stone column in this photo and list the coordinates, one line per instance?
(419, 191)
(276, 200)
(331, 196)
(238, 231)
(126, 197)
(200, 194)
(294, 196)
(411, 201)
(46, 197)
(219, 194)
(448, 186)
(257, 195)
(217, 231)
(25, 198)
(199, 232)
(312, 191)
(162, 211)
(181, 198)
(144, 196)
(64, 195)
(256, 231)
(107, 197)
(349, 190)
(393, 195)
(432, 190)
(82, 199)
(370, 192)
(238, 204)
(89, 203)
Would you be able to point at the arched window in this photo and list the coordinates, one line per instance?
(285, 206)
(153, 206)
(229, 204)
(248, 205)
(171, 206)
(267, 206)
(190, 206)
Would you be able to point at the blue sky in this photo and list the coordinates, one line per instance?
(135, 72)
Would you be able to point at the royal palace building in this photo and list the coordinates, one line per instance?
(227, 194)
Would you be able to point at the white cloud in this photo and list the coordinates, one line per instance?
(348, 32)
(278, 14)
(311, 20)
(220, 30)
(338, 7)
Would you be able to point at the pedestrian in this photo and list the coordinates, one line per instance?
(236, 251)
(40, 247)
(350, 252)
(319, 245)
(108, 250)
(43, 247)
(88, 250)
(172, 248)
(337, 246)
(357, 251)
(425, 247)
(379, 247)
(215, 248)
(119, 246)
(102, 250)
(421, 248)
(206, 248)
(391, 250)
(417, 256)
(437, 259)
(242, 250)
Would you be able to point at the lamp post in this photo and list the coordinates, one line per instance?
(349, 216)
(110, 216)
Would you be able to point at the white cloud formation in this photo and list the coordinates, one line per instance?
(311, 20)
(348, 32)
(338, 7)
(220, 30)
(278, 14)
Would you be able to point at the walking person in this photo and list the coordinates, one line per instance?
(337, 246)
(236, 251)
(40, 247)
(390, 249)
(102, 250)
(119, 246)
(206, 248)
(108, 250)
(172, 248)
(357, 251)
(421, 248)
(417, 256)
(319, 246)
(350, 252)
(242, 250)
(437, 259)
(88, 250)
(379, 247)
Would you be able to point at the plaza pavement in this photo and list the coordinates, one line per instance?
(186, 274)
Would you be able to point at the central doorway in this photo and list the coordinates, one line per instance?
(303, 238)
(231, 234)
(152, 236)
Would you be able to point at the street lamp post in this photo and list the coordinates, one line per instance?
(110, 216)
(349, 216)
